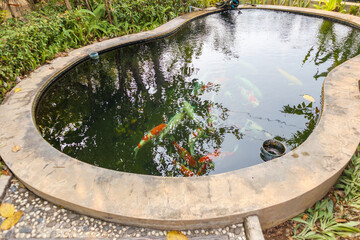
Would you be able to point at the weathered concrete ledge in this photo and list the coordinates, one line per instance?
(274, 191)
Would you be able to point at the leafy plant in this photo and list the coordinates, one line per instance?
(331, 5)
(319, 223)
(50, 29)
(354, 10)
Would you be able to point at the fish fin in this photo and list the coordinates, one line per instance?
(136, 149)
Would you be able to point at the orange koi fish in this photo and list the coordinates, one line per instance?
(184, 170)
(185, 155)
(209, 157)
(149, 135)
(204, 167)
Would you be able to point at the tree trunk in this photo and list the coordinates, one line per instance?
(88, 5)
(108, 10)
(68, 5)
(11, 10)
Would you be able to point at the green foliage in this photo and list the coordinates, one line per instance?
(28, 42)
(319, 223)
(354, 10)
(349, 182)
(3, 15)
(331, 5)
(292, 3)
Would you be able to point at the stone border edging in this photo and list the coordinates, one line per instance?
(274, 191)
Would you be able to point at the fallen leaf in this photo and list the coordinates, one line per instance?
(304, 217)
(16, 148)
(17, 90)
(51, 68)
(7, 210)
(48, 61)
(5, 172)
(309, 98)
(340, 220)
(11, 221)
(175, 235)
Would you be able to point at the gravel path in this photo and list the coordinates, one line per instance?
(45, 220)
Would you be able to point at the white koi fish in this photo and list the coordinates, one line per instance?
(293, 79)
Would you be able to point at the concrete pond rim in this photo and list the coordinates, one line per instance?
(274, 191)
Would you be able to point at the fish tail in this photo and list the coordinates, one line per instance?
(136, 149)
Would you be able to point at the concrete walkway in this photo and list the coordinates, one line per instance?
(44, 220)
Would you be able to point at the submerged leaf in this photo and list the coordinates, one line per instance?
(7, 210)
(309, 98)
(175, 235)
(11, 221)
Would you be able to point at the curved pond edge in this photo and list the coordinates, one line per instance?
(274, 191)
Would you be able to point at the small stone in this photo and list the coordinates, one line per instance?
(51, 224)
(53, 234)
(85, 229)
(72, 216)
(130, 231)
(143, 234)
(40, 220)
(22, 190)
(67, 225)
(47, 209)
(9, 234)
(237, 231)
(106, 228)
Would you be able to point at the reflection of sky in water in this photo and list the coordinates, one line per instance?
(258, 62)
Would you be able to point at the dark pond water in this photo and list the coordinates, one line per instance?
(240, 78)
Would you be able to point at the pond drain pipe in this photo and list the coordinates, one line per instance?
(253, 229)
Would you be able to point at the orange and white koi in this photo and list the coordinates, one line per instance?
(185, 154)
(184, 170)
(149, 135)
(249, 96)
(209, 157)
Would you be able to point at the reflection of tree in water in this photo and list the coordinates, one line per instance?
(330, 46)
(310, 114)
(225, 33)
(130, 91)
